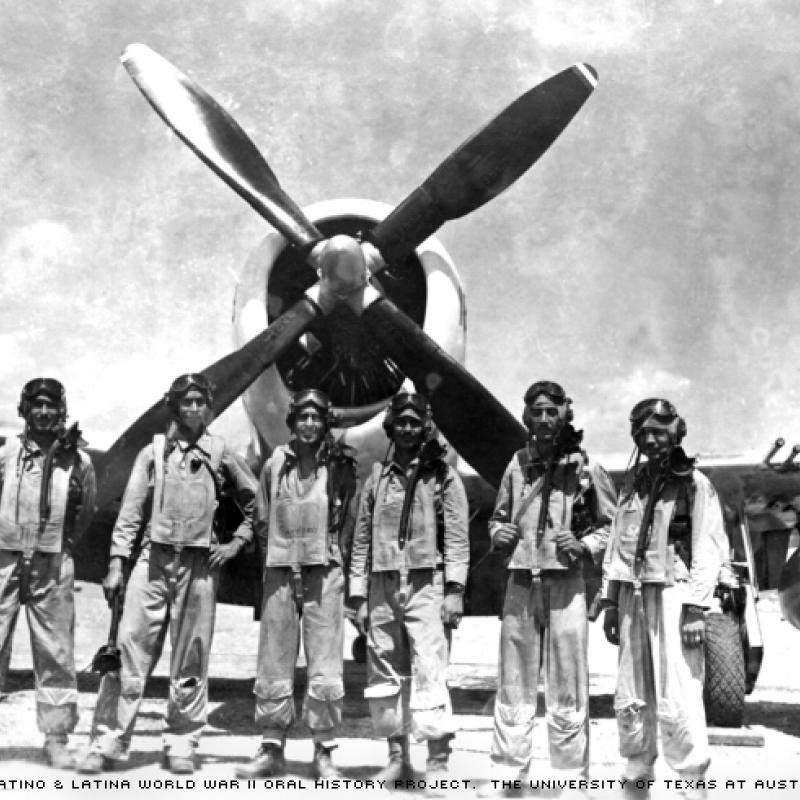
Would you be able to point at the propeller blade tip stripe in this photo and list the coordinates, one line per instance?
(132, 50)
(588, 73)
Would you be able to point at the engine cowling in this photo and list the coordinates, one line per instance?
(338, 355)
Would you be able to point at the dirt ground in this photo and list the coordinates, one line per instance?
(739, 770)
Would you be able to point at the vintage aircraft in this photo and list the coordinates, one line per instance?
(360, 334)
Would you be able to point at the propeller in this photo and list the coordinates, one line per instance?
(481, 429)
(230, 376)
(478, 170)
(216, 138)
(486, 163)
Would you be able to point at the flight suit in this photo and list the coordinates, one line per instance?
(36, 570)
(406, 647)
(176, 483)
(304, 534)
(660, 681)
(544, 612)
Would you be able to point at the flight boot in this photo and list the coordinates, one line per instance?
(56, 753)
(181, 765)
(694, 786)
(322, 765)
(268, 762)
(399, 767)
(638, 775)
(436, 766)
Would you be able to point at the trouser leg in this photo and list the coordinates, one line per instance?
(635, 696)
(278, 643)
(680, 709)
(323, 638)
(429, 701)
(191, 632)
(388, 662)
(521, 633)
(566, 672)
(51, 618)
(139, 639)
(10, 566)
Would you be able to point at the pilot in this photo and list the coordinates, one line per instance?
(666, 550)
(411, 537)
(551, 518)
(304, 524)
(173, 489)
(47, 492)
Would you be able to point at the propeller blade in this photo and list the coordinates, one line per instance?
(486, 163)
(216, 138)
(230, 376)
(478, 426)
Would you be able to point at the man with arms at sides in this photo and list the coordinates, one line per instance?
(407, 576)
(47, 493)
(665, 554)
(304, 523)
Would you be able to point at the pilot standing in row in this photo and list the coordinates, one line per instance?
(304, 524)
(665, 554)
(173, 489)
(47, 492)
(552, 515)
(407, 575)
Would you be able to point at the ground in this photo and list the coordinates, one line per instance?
(773, 712)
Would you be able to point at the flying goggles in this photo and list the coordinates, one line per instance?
(657, 413)
(310, 397)
(549, 389)
(49, 387)
(183, 383)
(417, 403)
(46, 386)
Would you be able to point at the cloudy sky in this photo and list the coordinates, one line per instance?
(651, 251)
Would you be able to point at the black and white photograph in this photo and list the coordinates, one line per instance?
(400, 399)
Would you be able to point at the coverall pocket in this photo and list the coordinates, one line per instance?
(675, 734)
(514, 713)
(273, 690)
(566, 729)
(130, 685)
(631, 728)
(326, 690)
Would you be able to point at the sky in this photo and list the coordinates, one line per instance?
(651, 251)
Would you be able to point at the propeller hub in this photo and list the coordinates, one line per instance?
(341, 265)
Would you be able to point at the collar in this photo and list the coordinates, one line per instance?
(292, 456)
(560, 456)
(202, 444)
(392, 466)
(30, 447)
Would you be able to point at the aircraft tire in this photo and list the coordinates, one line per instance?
(724, 689)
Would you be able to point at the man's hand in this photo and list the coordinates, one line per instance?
(453, 606)
(505, 538)
(360, 613)
(570, 547)
(611, 624)
(112, 583)
(219, 554)
(693, 626)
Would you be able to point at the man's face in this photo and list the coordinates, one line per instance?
(545, 417)
(309, 425)
(44, 414)
(192, 408)
(655, 443)
(407, 430)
